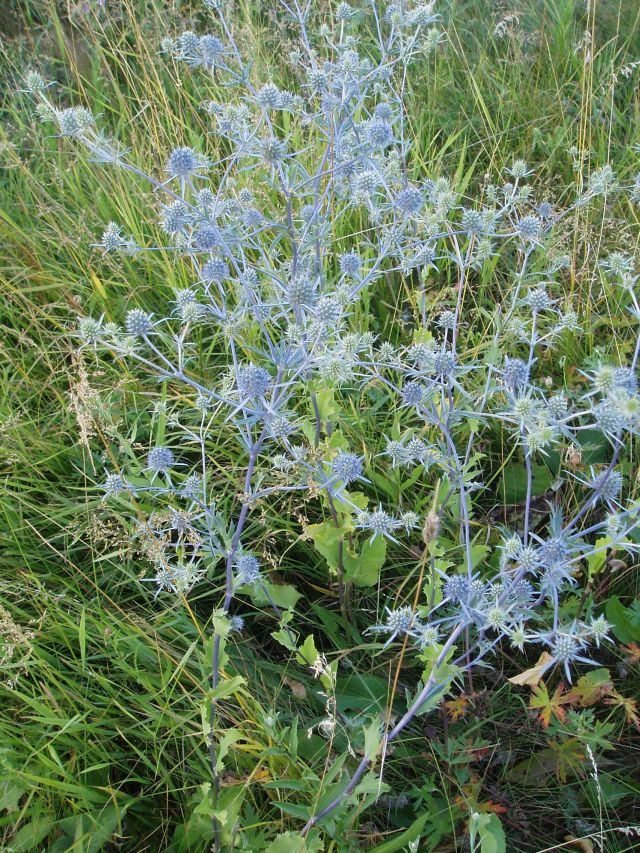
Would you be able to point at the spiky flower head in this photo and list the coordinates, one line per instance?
(269, 97)
(113, 240)
(472, 221)
(34, 82)
(273, 151)
(379, 134)
(347, 467)
(247, 568)
(160, 460)
(90, 330)
(253, 381)
(379, 522)
(447, 320)
(409, 201)
(215, 270)
(344, 12)
(74, 121)
(545, 210)
(607, 486)
(206, 238)
(236, 624)
(191, 312)
(350, 264)
(528, 558)
(413, 393)
(399, 621)
(138, 322)
(609, 417)
(496, 617)
(515, 373)
(519, 169)
(210, 49)
(184, 162)
(599, 630)
(456, 588)
(175, 217)
(114, 484)
(538, 299)
(529, 227)
(328, 311)
(301, 291)
(426, 635)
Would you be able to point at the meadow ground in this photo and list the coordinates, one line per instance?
(103, 685)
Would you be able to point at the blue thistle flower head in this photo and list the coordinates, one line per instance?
(413, 393)
(347, 467)
(215, 270)
(253, 382)
(247, 568)
(184, 162)
(138, 322)
(409, 201)
(350, 264)
(160, 460)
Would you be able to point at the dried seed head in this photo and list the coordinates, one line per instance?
(431, 527)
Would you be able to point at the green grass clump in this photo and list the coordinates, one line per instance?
(104, 688)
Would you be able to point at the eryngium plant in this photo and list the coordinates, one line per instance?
(312, 199)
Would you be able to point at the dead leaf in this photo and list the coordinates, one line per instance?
(632, 653)
(591, 688)
(549, 706)
(583, 844)
(457, 708)
(532, 676)
(629, 707)
(298, 689)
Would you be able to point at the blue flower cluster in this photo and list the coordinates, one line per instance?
(270, 288)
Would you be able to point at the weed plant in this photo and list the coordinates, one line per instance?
(363, 434)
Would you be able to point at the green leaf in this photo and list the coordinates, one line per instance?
(307, 653)
(285, 639)
(364, 569)
(326, 539)
(514, 482)
(595, 562)
(489, 829)
(595, 446)
(290, 842)
(32, 833)
(10, 795)
(622, 619)
(226, 688)
(327, 405)
(283, 595)
(404, 838)
(372, 740)
(229, 737)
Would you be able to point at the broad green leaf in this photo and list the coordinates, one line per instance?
(491, 834)
(229, 737)
(404, 838)
(372, 740)
(622, 621)
(513, 485)
(364, 569)
(30, 836)
(595, 562)
(285, 638)
(283, 595)
(290, 842)
(226, 688)
(307, 653)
